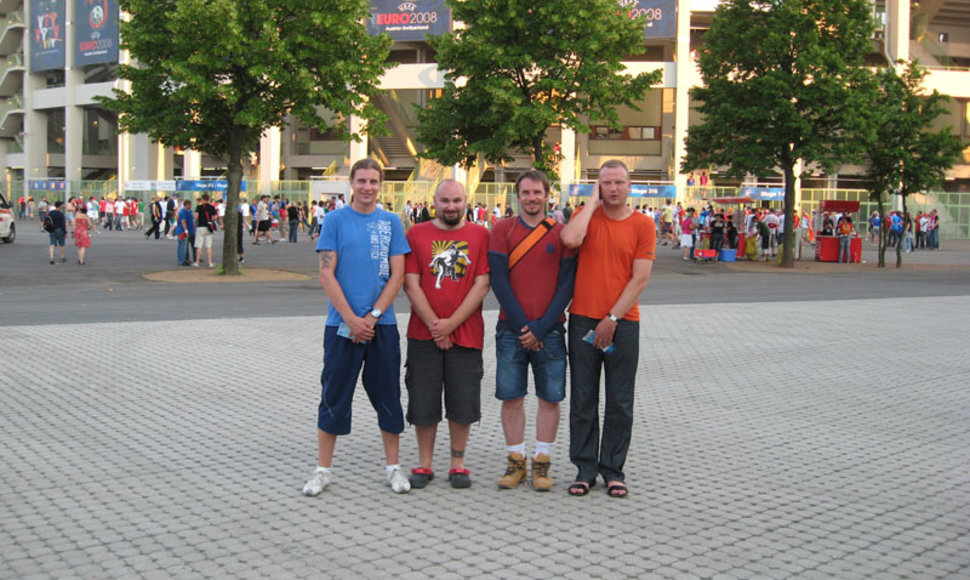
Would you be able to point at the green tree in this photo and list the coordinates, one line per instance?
(521, 66)
(214, 75)
(784, 81)
(906, 155)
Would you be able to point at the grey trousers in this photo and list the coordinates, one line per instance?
(591, 452)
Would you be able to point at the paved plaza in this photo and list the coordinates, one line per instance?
(823, 439)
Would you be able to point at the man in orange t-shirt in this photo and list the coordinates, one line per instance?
(616, 253)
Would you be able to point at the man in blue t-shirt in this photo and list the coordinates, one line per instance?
(361, 251)
(185, 232)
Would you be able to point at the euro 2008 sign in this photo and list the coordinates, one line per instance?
(409, 19)
(659, 17)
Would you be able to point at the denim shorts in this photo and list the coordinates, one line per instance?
(548, 366)
(456, 372)
(57, 237)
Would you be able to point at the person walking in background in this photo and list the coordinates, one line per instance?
(264, 222)
(92, 205)
(293, 217)
(185, 232)
(206, 226)
(845, 230)
(171, 209)
(57, 230)
(82, 233)
(157, 216)
(242, 224)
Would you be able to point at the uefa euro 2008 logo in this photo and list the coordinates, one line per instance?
(98, 14)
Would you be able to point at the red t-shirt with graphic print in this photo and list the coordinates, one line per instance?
(448, 262)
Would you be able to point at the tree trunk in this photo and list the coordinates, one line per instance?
(788, 243)
(230, 251)
(538, 159)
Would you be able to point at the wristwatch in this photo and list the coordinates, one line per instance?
(613, 318)
(376, 313)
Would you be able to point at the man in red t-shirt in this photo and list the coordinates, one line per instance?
(446, 279)
(532, 276)
(616, 253)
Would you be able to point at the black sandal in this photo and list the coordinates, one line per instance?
(580, 488)
(616, 489)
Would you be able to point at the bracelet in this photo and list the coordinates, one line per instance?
(612, 317)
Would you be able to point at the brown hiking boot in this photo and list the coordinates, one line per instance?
(540, 473)
(514, 473)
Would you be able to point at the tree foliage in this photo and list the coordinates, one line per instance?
(521, 66)
(906, 155)
(214, 75)
(784, 81)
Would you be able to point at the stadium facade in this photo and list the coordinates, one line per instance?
(59, 55)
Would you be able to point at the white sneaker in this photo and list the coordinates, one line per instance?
(317, 483)
(398, 481)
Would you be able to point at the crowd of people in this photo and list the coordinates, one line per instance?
(597, 264)
(279, 220)
(921, 232)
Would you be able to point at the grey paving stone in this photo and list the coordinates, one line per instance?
(778, 449)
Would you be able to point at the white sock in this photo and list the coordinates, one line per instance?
(322, 469)
(544, 448)
(390, 468)
(520, 448)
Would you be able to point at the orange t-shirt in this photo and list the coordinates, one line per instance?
(605, 263)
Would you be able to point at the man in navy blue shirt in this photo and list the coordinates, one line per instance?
(60, 227)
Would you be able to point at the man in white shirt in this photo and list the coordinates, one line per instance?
(771, 220)
(121, 222)
(263, 221)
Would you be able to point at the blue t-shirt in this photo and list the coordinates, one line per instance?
(186, 215)
(364, 243)
(897, 223)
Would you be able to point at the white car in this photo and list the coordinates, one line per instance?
(8, 230)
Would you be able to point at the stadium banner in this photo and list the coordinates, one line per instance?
(205, 185)
(47, 185)
(659, 16)
(764, 193)
(96, 40)
(147, 185)
(636, 190)
(409, 19)
(47, 33)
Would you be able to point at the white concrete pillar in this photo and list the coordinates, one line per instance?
(684, 67)
(191, 164)
(35, 131)
(358, 150)
(897, 29)
(269, 159)
(143, 157)
(74, 129)
(459, 174)
(567, 166)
